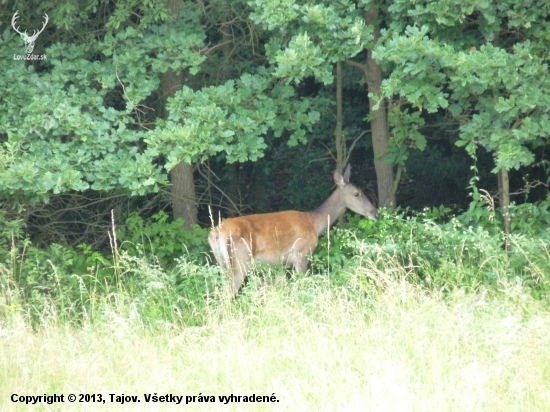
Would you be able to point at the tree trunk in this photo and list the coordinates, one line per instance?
(379, 122)
(340, 142)
(181, 176)
(183, 194)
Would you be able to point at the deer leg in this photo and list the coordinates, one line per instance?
(300, 258)
(240, 264)
(300, 264)
(298, 261)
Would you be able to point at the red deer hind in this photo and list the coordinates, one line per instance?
(288, 237)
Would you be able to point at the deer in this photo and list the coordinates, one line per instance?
(288, 237)
(29, 40)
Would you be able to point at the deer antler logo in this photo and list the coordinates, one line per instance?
(29, 40)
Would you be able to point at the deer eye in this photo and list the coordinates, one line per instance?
(357, 194)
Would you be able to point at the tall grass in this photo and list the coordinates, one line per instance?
(363, 339)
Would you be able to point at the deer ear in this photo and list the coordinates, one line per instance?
(338, 179)
(347, 172)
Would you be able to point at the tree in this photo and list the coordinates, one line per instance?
(77, 120)
(181, 176)
(89, 118)
(310, 36)
(493, 77)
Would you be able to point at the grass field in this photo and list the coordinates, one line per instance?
(370, 346)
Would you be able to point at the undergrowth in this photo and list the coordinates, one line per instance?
(367, 337)
(70, 284)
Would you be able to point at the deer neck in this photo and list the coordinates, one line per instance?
(328, 213)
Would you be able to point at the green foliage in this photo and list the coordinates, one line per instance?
(70, 284)
(461, 253)
(230, 119)
(175, 295)
(193, 281)
(158, 263)
(531, 219)
(162, 239)
(309, 37)
(77, 123)
(82, 119)
(405, 134)
(58, 280)
(458, 254)
(500, 95)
